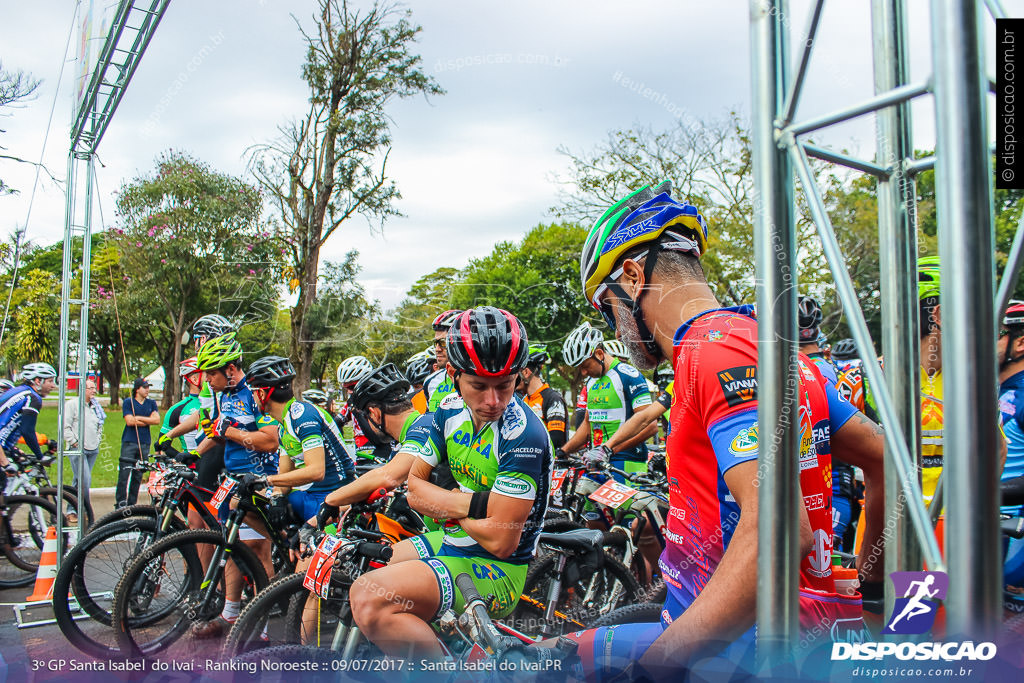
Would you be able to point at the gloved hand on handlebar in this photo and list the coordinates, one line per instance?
(596, 457)
(163, 441)
(51, 447)
(253, 481)
(218, 427)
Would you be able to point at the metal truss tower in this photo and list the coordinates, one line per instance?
(133, 25)
(966, 246)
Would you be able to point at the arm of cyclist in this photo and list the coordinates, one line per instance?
(265, 439)
(28, 426)
(725, 608)
(648, 431)
(285, 465)
(499, 532)
(639, 423)
(388, 476)
(861, 442)
(580, 438)
(314, 470)
(188, 424)
(433, 500)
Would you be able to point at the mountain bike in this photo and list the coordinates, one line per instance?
(32, 479)
(24, 521)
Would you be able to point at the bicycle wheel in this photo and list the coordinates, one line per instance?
(162, 594)
(91, 572)
(28, 518)
(126, 512)
(288, 614)
(643, 613)
(70, 496)
(584, 595)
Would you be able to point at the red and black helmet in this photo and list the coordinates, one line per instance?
(1014, 316)
(488, 342)
(445, 320)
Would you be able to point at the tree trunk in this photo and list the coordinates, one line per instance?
(302, 345)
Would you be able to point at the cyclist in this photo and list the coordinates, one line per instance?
(350, 371)
(641, 268)
(316, 397)
(250, 441)
(617, 349)
(615, 392)
(189, 371)
(320, 464)
(851, 378)
(419, 367)
(19, 409)
(439, 384)
(547, 403)
(1010, 348)
(500, 454)
(812, 341)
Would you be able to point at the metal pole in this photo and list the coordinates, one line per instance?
(83, 334)
(966, 246)
(1011, 271)
(895, 442)
(897, 248)
(793, 97)
(918, 165)
(846, 160)
(62, 362)
(775, 259)
(894, 96)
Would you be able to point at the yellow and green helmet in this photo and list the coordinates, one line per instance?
(927, 277)
(218, 352)
(639, 218)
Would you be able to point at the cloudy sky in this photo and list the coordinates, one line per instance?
(475, 166)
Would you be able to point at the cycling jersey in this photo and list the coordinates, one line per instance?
(436, 387)
(238, 404)
(1011, 414)
(931, 432)
(714, 427)
(19, 409)
(178, 412)
(827, 368)
(511, 456)
(312, 427)
(611, 400)
(549, 406)
(851, 385)
(359, 438)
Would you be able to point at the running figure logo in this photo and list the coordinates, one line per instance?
(915, 611)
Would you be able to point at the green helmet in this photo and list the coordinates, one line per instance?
(219, 351)
(927, 277)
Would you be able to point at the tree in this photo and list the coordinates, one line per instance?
(332, 165)
(15, 86)
(191, 243)
(36, 317)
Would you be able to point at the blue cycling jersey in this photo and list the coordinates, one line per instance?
(1011, 413)
(19, 407)
(314, 428)
(238, 404)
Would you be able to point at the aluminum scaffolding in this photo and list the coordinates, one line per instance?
(966, 245)
(132, 28)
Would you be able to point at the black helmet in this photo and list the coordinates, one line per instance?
(845, 349)
(418, 369)
(808, 318)
(538, 357)
(385, 385)
(211, 326)
(664, 377)
(270, 371)
(488, 342)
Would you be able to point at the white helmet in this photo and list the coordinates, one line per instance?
(580, 344)
(431, 353)
(38, 370)
(422, 355)
(617, 349)
(353, 369)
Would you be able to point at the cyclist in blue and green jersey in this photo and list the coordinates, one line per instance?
(180, 411)
(500, 455)
(1010, 348)
(615, 391)
(320, 464)
(439, 384)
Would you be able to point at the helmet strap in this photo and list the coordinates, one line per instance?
(1008, 359)
(646, 337)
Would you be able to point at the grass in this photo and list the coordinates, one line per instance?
(105, 471)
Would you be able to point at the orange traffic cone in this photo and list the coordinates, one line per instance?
(47, 571)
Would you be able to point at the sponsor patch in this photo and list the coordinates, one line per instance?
(557, 410)
(451, 401)
(296, 410)
(739, 384)
(628, 370)
(509, 486)
(513, 421)
(745, 441)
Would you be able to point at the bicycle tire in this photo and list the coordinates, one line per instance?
(75, 577)
(645, 612)
(70, 497)
(25, 546)
(279, 607)
(131, 630)
(529, 612)
(119, 514)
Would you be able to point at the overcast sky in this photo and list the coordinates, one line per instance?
(475, 166)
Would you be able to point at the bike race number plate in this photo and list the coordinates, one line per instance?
(223, 492)
(318, 573)
(613, 494)
(557, 477)
(155, 485)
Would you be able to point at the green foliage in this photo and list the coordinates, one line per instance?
(339, 316)
(36, 313)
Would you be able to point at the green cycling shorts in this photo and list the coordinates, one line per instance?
(502, 580)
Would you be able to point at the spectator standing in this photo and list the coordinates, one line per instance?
(140, 413)
(93, 417)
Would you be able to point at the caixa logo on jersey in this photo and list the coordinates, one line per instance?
(919, 596)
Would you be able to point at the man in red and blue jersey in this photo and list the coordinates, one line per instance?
(640, 267)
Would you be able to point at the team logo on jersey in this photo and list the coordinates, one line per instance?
(628, 370)
(296, 410)
(714, 335)
(451, 401)
(745, 442)
(739, 384)
(557, 410)
(513, 421)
